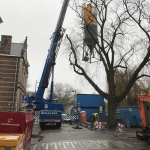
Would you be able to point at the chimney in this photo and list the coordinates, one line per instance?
(5, 44)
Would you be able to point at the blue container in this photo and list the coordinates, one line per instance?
(89, 100)
(128, 116)
(90, 103)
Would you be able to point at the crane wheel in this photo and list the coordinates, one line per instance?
(58, 125)
(42, 125)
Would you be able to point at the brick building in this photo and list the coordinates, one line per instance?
(13, 73)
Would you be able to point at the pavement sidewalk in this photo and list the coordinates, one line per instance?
(36, 130)
(129, 132)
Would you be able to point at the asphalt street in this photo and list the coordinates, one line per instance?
(69, 138)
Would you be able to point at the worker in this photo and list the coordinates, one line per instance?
(92, 120)
(96, 116)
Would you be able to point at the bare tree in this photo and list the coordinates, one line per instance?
(121, 80)
(64, 94)
(123, 43)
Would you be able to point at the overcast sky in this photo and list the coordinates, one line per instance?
(37, 20)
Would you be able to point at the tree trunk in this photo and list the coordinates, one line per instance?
(111, 120)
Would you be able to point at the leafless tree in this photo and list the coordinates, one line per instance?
(64, 94)
(121, 80)
(123, 43)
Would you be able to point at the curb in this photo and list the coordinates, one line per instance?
(34, 135)
(36, 131)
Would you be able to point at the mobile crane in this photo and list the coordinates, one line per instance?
(145, 133)
(50, 113)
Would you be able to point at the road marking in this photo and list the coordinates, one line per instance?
(99, 143)
(34, 146)
(55, 145)
(77, 144)
(119, 144)
(94, 142)
(105, 143)
(64, 145)
(72, 145)
(67, 143)
(47, 146)
(80, 144)
(83, 143)
(126, 144)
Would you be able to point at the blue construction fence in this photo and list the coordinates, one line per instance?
(63, 117)
(128, 116)
(69, 117)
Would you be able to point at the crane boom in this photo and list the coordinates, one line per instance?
(52, 53)
(49, 112)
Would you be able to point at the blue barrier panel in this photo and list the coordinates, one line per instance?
(129, 116)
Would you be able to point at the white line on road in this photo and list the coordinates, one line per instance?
(46, 146)
(105, 143)
(94, 142)
(64, 145)
(59, 144)
(80, 144)
(43, 144)
(127, 144)
(55, 145)
(75, 143)
(34, 146)
(83, 143)
(72, 145)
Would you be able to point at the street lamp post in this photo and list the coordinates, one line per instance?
(78, 109)
(36, 86)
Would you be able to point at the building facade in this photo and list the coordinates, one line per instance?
(13, 73)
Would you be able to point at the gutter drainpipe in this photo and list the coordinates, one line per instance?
(14, 85)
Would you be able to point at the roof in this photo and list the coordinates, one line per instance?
(16, 49)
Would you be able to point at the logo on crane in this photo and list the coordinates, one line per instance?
(10, 120)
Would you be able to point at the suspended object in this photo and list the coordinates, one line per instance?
(90, 29)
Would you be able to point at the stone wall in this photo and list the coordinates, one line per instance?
(13, 75)
(9, 74)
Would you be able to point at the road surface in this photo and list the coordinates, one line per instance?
(68, 138)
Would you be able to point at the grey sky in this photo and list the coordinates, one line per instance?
(37, 20)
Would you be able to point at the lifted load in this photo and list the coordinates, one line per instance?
(144, 99)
